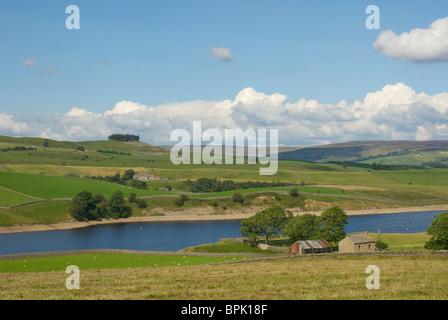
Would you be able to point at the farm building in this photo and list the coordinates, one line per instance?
(147, 177)
(310, 246)
(357, 243)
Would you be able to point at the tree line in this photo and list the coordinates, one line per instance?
(125, 179)
(124, 137)
(19, 148)
(216, 185)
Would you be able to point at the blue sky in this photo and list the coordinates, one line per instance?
(158, 52)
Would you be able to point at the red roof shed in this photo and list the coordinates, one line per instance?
(310, 246)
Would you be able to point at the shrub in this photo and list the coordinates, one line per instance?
(293, 192)
(132, 197)
(181, 200)
(237, 198)
(141, 203)
(380, 245)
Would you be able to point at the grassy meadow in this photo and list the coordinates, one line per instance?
(416, 277)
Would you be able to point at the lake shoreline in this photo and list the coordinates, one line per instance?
(192, 216)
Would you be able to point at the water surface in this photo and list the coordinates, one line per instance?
(174, 236)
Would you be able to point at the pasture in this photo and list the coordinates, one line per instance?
(412, 277)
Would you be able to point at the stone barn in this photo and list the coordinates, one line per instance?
(310, 246)
(357, 243)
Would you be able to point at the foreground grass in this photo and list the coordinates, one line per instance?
(414, 277)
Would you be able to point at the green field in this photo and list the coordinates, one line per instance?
(99, 261)
(413, 277)
(10, 198)
(49, 187)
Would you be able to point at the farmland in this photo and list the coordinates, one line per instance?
(318, 278)
(60, 170)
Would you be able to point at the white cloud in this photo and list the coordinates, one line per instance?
(394, 112)
(223, 54)
(29, 62)
(417, 45)
(50, 70)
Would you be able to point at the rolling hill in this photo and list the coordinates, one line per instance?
(387, 152)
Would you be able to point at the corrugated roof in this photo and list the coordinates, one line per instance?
(309, 244)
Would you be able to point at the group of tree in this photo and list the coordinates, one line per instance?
(113, 152)
(435, 164)
(217, 185)
(125, 179)
(329, 225)
(123, 137)
(85, 206)
(19, 148)
(276, 221)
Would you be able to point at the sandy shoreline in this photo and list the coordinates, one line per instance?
(198, 215)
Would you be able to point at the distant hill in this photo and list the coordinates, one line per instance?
(360, 151)
(131, 147)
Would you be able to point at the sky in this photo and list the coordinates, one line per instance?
(311, 69)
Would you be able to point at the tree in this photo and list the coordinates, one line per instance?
(181, 200)
(293, 192)
(332, 223)
(303, 227)
(117, 206)
(46, 143)
(116, 177)
(128, 174)
(438, 230)
(141, 203)
(250, 229)
(264, 223)
(83, 207)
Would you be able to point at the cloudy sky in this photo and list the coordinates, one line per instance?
(311, 69)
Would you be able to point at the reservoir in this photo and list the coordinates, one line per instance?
(174, 236)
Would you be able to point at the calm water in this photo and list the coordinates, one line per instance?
(173, 236)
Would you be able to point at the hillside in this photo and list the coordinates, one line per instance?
(134, 147)
(388, 152)
(57, 172)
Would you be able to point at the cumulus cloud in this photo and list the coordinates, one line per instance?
(417, 45)
(28, 62)
(223, 54)
(395, 112)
